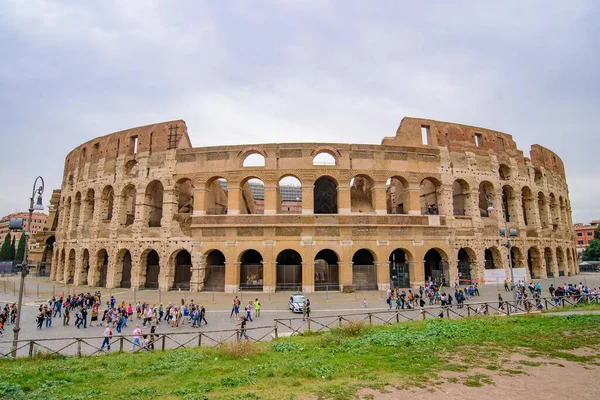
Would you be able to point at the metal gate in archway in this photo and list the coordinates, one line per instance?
(364, 277)
(464, 271)
(214, 278)
(289, 277)
(251, 276)
(399, 276)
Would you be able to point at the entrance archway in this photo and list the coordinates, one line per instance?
(289, 270)
(214, 277)
(560, 260)
(183, 270)
(399, 272)
(436, 267)
(493, 258)
(325, 196)
(126, 276)
(326, 270)
(534, 263)
(152, 270)
(102, 268)
(251, 270)
(466, 262)
(364, 275)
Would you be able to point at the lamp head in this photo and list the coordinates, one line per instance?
(39, 206)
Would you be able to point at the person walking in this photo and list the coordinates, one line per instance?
(203, 315)
(256, 308)
(66, 316)
(234, 302)
(107, 336)
(249, 311)
(136, 337)
(243, 328)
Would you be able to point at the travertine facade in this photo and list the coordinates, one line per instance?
(143, 208)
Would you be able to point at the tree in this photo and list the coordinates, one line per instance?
(13, 249)
(20, 249)
(597, 233)
(5, 249)
(592, 252)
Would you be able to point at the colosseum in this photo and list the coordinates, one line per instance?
(142, 208)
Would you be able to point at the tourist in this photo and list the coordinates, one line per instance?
(203, 315)
(249, 311)
(243, 328)
(256, 308)
(136, 337)
(107, 336)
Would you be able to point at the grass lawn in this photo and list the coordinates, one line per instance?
(331, 365)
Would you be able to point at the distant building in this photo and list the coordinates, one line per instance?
(583, 235)
(38, 223)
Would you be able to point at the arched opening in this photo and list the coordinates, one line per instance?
(466, 265)
(254, 160)
(399, 271)
(125, 270)
(131, 169)
(364, 274)
(436, 267)
(127, 216)
(289, 196)
(508, 204)
(70, 273)
(361, 196)
(47, 257)
(517, 257)
(327, 270)
(563, 211)
(252, 196)
(504, 172)
(184, 193)
(543, 210)
(324, 158)
(215, 197)
(102, 268)
(570, 265)
(493, 258)
(108, 198)
(528, 205)
(554, 212)
(251, 270)
(397, 195)
(537, 176)
(534, 263)
(548, 261)
(428, 196)
(76, 210)
(325, 196)
(460, 196)
(152, 260)
(485, 189)
(153, 202)
(85, 267)
(183, 270)
(289, 270)
(560, 260)
(89, 207)
(214, 278)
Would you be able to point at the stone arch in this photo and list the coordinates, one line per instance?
(251, 270)
(436, 266)
(327, 275)
(517, 257)
(561, 261)
(252, 195)
(543, 210)
(214, 277)
(89, 206)
(131, 169)
(184, 195)
(528, 205)
(149, 269)
(289, 195)
(554, 211)
(101, 268)
(253, 159)
(328, 150)
(538, 176)
(399, 260)
(509, 204)
(249, 151)
(493, 258)
(128, 205)
(181, 264)
(548, 257)
(361, 194)
(534, 263)
(289, 270)
(107, 203)
(504, 172)
(85, 267)
(397, 195)
(364, 270)
(70, 267)
(76, 210)
(428, 194)
(467, 265)
(325, 195)
(216, 196)
(485, 189)
(460, 196)
(48, 249)
(153, 202)
(123, 266)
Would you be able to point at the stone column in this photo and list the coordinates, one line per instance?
(94, 273)
(308, 199)
(170, 207)
(142, 211)
(379, 196)
(383, 275)
(444, 198)
(269, 267)
(308, 277)
(271, 205)
(472, 204)
(198, 274)
(413, 198)
(233, 198)
(416, 273)
(343, 199)
(232, 276)
(199, 201)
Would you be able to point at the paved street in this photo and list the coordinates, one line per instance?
(218, 305)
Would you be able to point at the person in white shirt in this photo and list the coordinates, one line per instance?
(107, 336)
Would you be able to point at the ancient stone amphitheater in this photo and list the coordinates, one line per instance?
(143, 208)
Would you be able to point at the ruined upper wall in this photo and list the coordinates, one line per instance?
(150, 138)
(542, 157)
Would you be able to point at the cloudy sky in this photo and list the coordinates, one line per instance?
(295, 70)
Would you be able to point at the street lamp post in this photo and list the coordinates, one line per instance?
(25, 264)
(508, 234)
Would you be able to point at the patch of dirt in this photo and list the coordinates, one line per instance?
(552, 380)
(584, 352)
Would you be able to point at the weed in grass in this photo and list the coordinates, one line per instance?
(287, 347)
(455, 367)
(477, 380)
(10, 390)
(530, 363)
(452, 380)
(492, 367)
(512, 371)
(239, 349)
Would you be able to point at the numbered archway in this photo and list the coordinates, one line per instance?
(183, 270)
(436, 267)
(251, 270)
(399, 271)
(364, 273)
(327, 270)
(214, 275)
(289, 270)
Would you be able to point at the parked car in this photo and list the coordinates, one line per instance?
(296, 302)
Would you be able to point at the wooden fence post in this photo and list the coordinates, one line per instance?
(200, 339)
(487, 310)
(370, 319)
(468, 311)
(164, 339)
(507, 305)
(340, 320)
(78, 347)
(397, 317)
(121, 340)
(275, 329)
